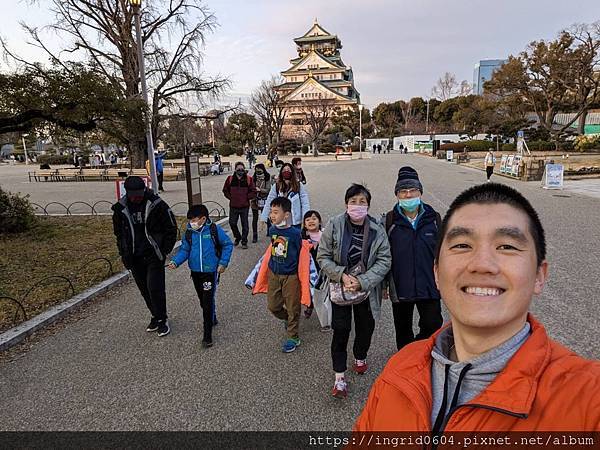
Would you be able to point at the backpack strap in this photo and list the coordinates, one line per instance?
(389, 222)
(438, 221)
(214, 234)
(188, 236)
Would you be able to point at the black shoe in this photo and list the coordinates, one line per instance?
(207, 343)
(215, 322)
(254, 239)
(152, 326)
(163, 328)
(236, 242)
(244, 245)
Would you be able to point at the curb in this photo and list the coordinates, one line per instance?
(17, 334)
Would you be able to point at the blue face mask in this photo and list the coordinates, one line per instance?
(410, 204)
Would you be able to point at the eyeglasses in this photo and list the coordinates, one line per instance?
(408, 192)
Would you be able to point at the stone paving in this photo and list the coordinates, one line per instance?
(104, 372)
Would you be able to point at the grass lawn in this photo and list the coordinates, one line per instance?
(58, 246)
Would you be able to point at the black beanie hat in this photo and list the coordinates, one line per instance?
(408, 178)
(134, 186)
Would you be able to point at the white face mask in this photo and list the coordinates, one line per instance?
(195, 226)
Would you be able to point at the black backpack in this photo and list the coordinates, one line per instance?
(214, 234)
(389, 222)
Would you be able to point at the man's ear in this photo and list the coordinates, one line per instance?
(435, 274)
(541, 277)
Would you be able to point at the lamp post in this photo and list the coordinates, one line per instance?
(427, 119)
(25, 149)
(136, 6)
(360, 108)
(212, 132)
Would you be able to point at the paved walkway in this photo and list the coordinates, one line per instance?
(104, 372)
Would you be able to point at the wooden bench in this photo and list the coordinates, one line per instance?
(226, 166)
(462, 158)
(115, 174)
(91, 175)
(173, 174)
(67, 174)
(47, 175)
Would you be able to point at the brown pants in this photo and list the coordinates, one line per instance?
(283, 300)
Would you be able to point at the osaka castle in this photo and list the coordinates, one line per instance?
(317, 73)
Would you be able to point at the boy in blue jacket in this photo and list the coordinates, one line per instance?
(207, 249)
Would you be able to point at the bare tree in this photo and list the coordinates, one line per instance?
(317, 114)
(270, 109)
(447, 87)
(173, 34)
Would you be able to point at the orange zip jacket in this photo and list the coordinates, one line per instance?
(262, 284)
(544, 387)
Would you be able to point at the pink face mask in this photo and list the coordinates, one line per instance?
(357, 212)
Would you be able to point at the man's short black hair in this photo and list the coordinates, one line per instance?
(197, 211)
(282, 202)
(357, 189)
(491, 194)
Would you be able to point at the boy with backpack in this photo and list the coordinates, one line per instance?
(412, 227)
(207, 249)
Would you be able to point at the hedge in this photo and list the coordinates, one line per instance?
(16, 213)
(55, 159)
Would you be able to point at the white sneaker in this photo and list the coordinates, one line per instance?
(340, 389)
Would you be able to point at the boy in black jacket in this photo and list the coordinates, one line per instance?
(146, 233)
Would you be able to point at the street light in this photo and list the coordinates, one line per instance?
(136, 6)
(427, 119)
(360, 108)
(25, 149)
(212, 132)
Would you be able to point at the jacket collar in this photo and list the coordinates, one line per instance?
(513, 390)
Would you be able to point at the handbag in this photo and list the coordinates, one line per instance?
(337, 293)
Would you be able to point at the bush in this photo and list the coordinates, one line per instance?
(508, 147)
(538, 146)
(583, 143)
(327, 148)
(226, 150)
(474, 146)
(304, 149)
(16, 213)
(287, 146)
(55, 159)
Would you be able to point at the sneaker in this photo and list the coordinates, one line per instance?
(236, 242)
(254, 239)
(340, 389)
(360, 367)
(163, 328)
(152, 326)
(290, 345)
(207, 343)
(325, 329)
(244, 245)
(215, 322)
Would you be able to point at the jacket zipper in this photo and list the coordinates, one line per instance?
(200, 237)
(474, 406)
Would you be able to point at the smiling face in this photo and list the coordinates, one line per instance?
(487, 269)
(311, 223)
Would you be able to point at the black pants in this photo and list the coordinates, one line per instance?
(430, 319)
(206, 286)
(255, 215)
(241, 214)
(150, 279)
(160, 177)
(489, 170)
(341, 322)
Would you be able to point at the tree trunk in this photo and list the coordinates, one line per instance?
(137, 154)
(315, 147)
(581, 125)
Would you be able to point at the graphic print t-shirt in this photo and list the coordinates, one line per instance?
(285, 250)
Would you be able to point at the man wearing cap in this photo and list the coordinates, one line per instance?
(412, 228)
(146, 233)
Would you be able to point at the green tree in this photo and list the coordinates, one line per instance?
(241, 129)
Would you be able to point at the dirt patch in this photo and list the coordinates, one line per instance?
(60, 257)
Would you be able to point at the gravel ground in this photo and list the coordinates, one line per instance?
(99, 370)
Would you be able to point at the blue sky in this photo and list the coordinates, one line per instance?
(397, 48)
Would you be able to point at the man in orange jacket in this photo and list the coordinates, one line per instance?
(493, 368)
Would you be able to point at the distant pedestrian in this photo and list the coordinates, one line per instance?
(262, 182)
(490, 162)
(354, 253)
(158, 161)
(374, 148)
(239, 189)
(250, 157)
(207, 248)
(379, 149)
(146, 232)
(412, 228)
(297, 163)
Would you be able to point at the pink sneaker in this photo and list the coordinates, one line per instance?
(360, 367)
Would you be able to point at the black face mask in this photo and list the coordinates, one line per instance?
(240, 172)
